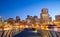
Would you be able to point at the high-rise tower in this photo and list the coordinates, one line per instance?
(0, 19)
(45, 16)
(18, 19)
(1, 22)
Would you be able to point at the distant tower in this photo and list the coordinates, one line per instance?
(18, 19)
(0, 19)
(28, 16)
(45, 11)
(29, 20)
(36, 20)
(45, 16)
(10, 20)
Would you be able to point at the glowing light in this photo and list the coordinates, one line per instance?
(42, 27)
(21, 26)
(35, 31)
(26, 26)
(55, 29)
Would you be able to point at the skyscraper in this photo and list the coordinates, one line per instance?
(36, 20)
(10, 21)
(0, 19)
(45, 17)
(17, 19)
(29, 20)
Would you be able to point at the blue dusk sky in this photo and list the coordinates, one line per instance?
(22, 8)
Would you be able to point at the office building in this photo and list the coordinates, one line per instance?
(44, 16)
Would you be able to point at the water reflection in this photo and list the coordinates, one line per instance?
(53, 32)
(28, 33)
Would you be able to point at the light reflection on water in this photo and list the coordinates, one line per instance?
(52, 29)
(56, 29)
(28, 33)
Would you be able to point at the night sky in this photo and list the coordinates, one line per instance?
(22, 8)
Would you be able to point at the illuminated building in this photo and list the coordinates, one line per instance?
(57, 17)
(17, 24)
(5, 22)
(1, 22)
(57, 20)
(45, 17)
(0, 19)
(10, 21)
(23, 22)
(18, 19)
(36, 20)
(29, 20)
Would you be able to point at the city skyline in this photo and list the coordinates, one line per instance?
(43, 15)
(29, 18)
(23, 8)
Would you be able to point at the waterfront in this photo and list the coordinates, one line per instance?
(29, 32)
(37, 33)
